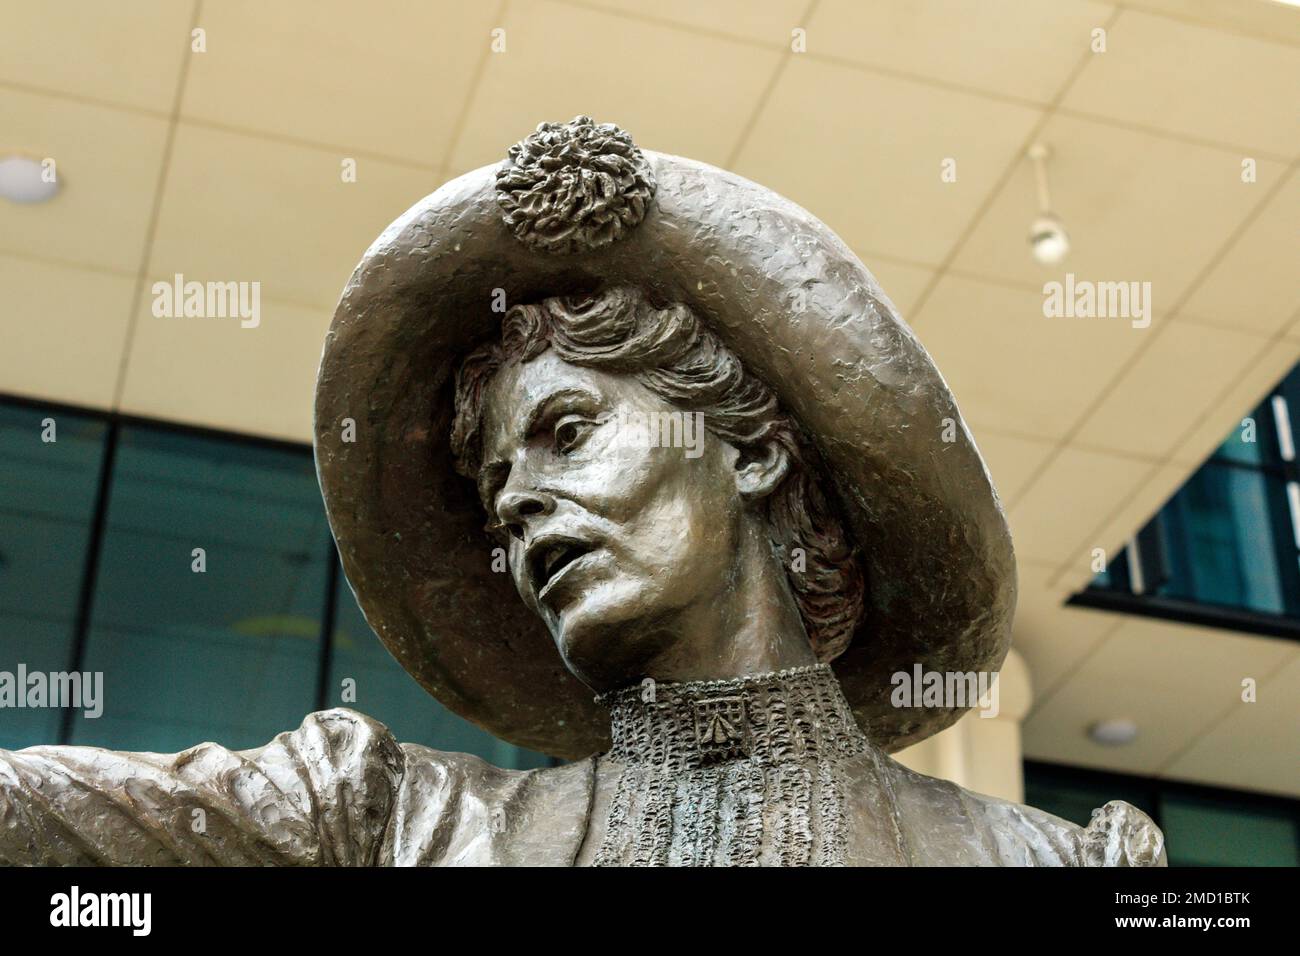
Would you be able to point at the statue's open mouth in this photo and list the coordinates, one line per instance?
(550, 556)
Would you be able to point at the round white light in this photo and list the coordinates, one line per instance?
(1113, 733)
(23, 179)
(1048, 240)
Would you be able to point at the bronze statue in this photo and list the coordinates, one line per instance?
(734, 495)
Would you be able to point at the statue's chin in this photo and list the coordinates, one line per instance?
(603, 655)
(611, 630)
(594, 656)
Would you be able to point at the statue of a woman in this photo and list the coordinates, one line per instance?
(734, 496)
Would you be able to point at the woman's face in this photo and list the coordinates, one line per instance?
(623, 512)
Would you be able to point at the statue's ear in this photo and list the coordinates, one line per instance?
(761, 468)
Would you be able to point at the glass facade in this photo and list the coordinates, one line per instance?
(206, 609)
(1202, 826)
(196, 572)
(48, 493)
(1226, 548)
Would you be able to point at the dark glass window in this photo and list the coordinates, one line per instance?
(47, 503)
(1225, 549)
(1228, 832)
(1216, 528)
(228, 653)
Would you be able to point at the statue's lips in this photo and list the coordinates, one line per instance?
(566, 572)
(550, 559)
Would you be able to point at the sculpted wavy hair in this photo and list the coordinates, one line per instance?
(673, 355)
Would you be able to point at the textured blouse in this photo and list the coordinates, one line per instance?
(340, 791)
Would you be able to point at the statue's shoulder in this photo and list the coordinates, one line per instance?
(448, 767)
(348, 738)
(341, 737)
(454, 808)
(342, 744)
(944, 824)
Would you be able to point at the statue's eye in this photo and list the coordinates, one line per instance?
(569, 433)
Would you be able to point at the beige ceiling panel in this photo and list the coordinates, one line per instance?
(866, 152)
(1137, 207)
(275, 213)
(1013, 368)
(1173, 680)
(1271, 723)
(1052, 638)
(388, 77)
(1276, 358)
(1011, 459)
(107, 161)
(1125, 517)
(63, 330)
(1020, 48)
(1177, 380)
(1275, 20)
(902, 283)
(1064, 506)
(127, 52)
(1257, 284)
(769, 22)
(214, 372)
(1185, 78)
(672, 90)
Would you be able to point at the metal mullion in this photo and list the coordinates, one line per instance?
(326, 658)
(90, 568)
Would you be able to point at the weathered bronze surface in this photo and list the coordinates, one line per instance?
(734, 495)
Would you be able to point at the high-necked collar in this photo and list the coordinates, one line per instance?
(794, 715)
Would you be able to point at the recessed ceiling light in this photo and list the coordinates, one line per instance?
(1113, 733)
(23, 179)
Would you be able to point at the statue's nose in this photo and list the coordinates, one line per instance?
(514, 508)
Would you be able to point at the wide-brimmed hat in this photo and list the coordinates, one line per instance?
(577, 206)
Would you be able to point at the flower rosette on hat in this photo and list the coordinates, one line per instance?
(574, 186)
